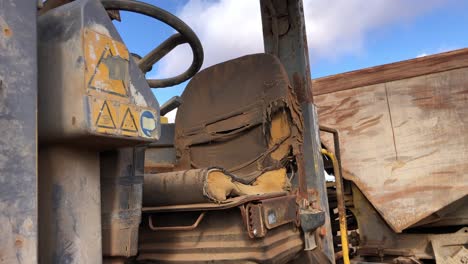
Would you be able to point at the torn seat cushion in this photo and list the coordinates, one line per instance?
(240, 115)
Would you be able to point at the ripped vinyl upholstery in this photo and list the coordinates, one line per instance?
(241, 115)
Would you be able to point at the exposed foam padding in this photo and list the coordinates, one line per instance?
(241, 115)
(219, 185)
(280, 136)
(207, 185)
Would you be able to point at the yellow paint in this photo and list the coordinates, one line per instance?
(279, 132)
(107, 85)
(129, 124)
(98, 48)
(341, 207)
(104, 116)
(115, 118)
(164, 120)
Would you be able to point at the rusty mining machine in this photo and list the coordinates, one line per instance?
(90, 174)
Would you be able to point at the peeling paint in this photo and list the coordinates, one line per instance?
(100, 29)
(137, 96)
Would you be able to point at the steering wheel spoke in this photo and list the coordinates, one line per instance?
(160, 51)
(185, 35)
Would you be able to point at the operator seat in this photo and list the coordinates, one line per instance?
(240, 116)
(226, 118)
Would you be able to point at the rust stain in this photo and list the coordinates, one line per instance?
(408, 189)
(19, 243)
(344, 105)
(444, 172)
(390, 181)
(361, 127)
(352, 177)
(347, 115)
(462, 92)
(423, 156)
(401, 124)
(435, 102)
(7, 32)
(371, 121)
(398, 164)
(303, 95)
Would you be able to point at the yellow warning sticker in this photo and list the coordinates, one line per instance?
(120, 119)
(129, 124)
(107, 62)
(105, 117)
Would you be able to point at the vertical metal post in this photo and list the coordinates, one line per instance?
(284, 35)
(18, 140)
(121, 197)
(70, 205)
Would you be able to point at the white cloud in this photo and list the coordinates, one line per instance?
(441, 49)
(171, 116)
(232, 28)
(422, 55)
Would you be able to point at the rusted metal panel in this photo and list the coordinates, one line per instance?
(267, 214)
(404, 143)
(451, 248)
(254, 221)
(280, 211)
(154, 227)
(377, 239)
(18, 138)
(284, 35)
(221, 236)
(391, 72)
(230, 203)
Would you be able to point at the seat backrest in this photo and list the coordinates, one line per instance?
(240, 115)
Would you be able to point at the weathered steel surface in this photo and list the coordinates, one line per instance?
(70, 206)
(220, 236)
(285, 36)
(90, 91)
(154, 227)
(175, 188)
(230, 203)
(379, 241)
(451, 248)
(280, 211)
(404, 143)
(18, 166)
(160, 156)
(121, 195)
(391, 72)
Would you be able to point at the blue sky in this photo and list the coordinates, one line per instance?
(343, 35)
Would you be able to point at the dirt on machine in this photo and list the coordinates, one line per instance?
(262, 164)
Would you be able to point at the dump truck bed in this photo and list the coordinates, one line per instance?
(404, 133)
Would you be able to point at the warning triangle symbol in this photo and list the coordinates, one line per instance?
(101, 78)
(104, 118)
(128, 122)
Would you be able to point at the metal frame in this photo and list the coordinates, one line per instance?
(285, 36)
(18, 123)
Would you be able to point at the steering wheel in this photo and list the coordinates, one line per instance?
(185, 35)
